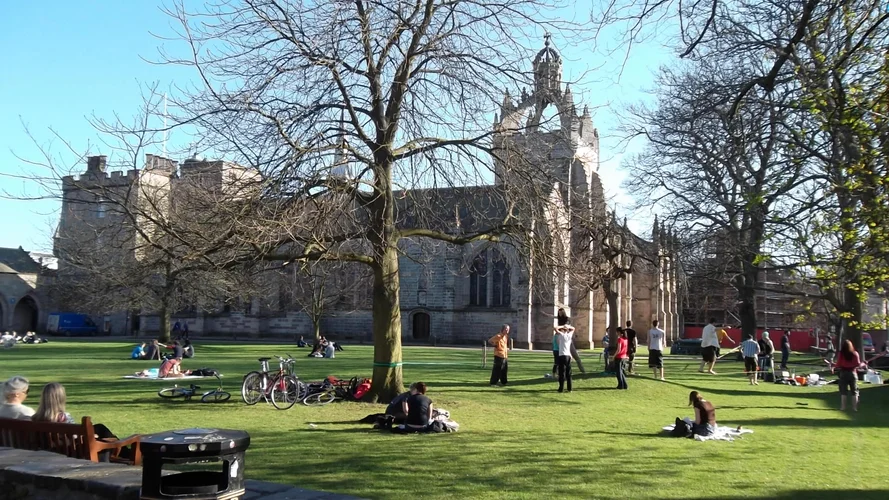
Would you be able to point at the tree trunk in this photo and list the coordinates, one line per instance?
(387, 374)
(164, 317)
(852, 320)
(613, 317)
(316, 328)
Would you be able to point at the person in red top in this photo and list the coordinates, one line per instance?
(848, 362)
(620, 358)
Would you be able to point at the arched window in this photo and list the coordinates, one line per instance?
(478, 281)
(500, 276)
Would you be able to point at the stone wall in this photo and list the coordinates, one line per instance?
(41, 475)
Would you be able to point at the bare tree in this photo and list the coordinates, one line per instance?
(366, 101)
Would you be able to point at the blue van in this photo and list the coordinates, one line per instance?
(71, 324)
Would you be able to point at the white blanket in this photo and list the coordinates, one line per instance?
(155, 378)
(722, 433)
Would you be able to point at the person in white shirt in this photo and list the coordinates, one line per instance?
(709, 345)
(656, 344)
(15, 391)
(564, 334)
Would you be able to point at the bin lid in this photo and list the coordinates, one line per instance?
(198, 442)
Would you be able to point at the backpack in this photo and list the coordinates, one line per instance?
(204, 372)
(361, 389)
(681, 429)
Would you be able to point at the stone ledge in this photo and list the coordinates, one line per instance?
(41, 475)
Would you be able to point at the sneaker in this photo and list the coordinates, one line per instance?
(547, 375)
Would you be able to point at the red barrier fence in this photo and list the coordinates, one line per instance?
(800, 340)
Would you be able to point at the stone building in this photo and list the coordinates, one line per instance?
(463, 294)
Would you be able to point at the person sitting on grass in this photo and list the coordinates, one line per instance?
(15, 391)
(138, 352)
(705, 415)
(172, 368)
(301, 342)
(152, 351)
(418, 409)
(187, 349)
(396, 407)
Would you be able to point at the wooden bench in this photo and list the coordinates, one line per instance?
(73, 440)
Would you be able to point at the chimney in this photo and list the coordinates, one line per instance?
(96, 164)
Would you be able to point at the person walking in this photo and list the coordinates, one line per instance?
(632, 344)
(709, 344)
(785, 350)
(620, 358)
(656, 344)
(750, 349)
(564, 335)
(501, 347)
(848, 363)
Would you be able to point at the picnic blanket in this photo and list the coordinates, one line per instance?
(155, 377)
(722, 433)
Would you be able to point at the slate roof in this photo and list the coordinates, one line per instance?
(19, 261)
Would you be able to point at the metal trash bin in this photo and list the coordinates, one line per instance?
(192, 446)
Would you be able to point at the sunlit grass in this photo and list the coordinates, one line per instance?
(522, 441)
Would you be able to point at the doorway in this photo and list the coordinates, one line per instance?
(24, 317)
(421, 326)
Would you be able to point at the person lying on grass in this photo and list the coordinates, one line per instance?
(172, 368)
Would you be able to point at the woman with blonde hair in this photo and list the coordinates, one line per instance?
(52, 405)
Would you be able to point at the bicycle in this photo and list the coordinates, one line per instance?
(282, 389)
(328, 391)
(218, 395)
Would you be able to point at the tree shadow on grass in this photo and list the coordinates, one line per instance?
(819, 495)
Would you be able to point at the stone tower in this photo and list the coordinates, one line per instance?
(563, 152)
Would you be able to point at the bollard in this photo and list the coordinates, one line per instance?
(484, 354)
(511, 344)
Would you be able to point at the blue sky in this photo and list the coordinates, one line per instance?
(62, 62)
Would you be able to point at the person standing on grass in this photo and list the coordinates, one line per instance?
(620, 358)
(632, 344)
(785, 349)
(766, 349)
(750, 350)
(709, 344)
(848, 363)
(722, 335)
(501, 347)
(564, 336)
(656, 344)
(561, 320)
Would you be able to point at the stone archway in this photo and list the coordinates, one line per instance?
(25, 315)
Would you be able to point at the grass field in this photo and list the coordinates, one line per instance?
(522, 441)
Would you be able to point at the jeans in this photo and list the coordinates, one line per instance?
(498, 373)
(702, 429)
(784, 356)
(619, 366)
(564, 366)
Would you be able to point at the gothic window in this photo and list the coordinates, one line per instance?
(478, 281)
(500, 277)
(100, 208)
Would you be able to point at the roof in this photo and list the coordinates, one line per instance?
(18, 261)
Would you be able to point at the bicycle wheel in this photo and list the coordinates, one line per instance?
(216, 396)
(251, 389)
(320, 398)
(174, 392)
(285, 392)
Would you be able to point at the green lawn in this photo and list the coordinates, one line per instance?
(523, 441)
